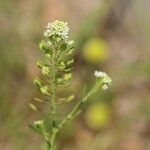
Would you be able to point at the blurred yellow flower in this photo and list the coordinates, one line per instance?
(97, 116)
(94, 50)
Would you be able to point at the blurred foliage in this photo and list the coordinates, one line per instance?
(94, 51)
(97, 116)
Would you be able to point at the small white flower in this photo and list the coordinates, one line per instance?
(47, 33)
(106, 80)
(48, 43)
(99, 74)
(105, 87)
(48, 25)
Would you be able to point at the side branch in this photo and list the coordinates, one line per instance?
(76, 110)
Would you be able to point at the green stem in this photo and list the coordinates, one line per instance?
(76, 110)
(53, 86)
(70, 116)
(53, 139)
(53, 106)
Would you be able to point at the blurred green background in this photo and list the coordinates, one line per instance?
(112, 36)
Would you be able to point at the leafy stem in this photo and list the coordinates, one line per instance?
(57, 74)
(53, 91)
(75, 111)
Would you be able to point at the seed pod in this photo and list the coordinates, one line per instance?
(39, 64)
(37, 82)
(63, 47)
(45, 70)
(38, 100)
(33, 107)
(68, 69)
(44, 90)
(70, 98)
(48, 53)
(70, 63)
(67, 76)
(42, 45)
(62, 65)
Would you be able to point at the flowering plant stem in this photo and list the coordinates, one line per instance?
(56, 71)
(75, 111)
(51, 144)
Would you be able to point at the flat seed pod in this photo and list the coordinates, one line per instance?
(37, 82)
(70, 62)
(38, 100)
(44, 90)
(42, 45)
(68, 69)
(70, 98)
(33, 107)
(67, 76)
(39, 64)
(63, 47)
(45, 70)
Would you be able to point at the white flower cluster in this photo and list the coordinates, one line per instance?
(106, 80)
(59, 28)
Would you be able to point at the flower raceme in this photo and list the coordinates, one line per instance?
(106, 80)
(57, 28)
(56, 72)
